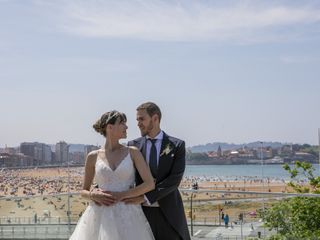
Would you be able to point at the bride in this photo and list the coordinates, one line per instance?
(107, 217)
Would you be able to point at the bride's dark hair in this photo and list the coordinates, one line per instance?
(108, 118)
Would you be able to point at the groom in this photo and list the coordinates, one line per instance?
(165, 155)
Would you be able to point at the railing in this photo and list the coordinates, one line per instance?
(45, 217)
(34, 231)
(206, 209)
(43, 220)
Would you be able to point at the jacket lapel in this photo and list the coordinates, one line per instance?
(143, 147)
(164, 158)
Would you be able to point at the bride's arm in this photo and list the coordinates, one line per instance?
(89, 174)
(144, 171)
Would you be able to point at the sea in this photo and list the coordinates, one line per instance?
(237, 172)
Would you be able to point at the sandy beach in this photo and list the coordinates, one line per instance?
(33, 192)
(46, 181)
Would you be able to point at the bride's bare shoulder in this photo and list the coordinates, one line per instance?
(92, 156)
(134, 152)
(133, 149)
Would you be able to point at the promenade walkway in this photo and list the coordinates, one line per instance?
(61, 231)
(32, 231)
(236, 232)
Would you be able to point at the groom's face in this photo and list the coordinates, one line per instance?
(145, 122)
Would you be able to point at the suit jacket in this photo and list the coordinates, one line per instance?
(171, 167)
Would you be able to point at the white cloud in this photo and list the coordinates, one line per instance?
(245, 21)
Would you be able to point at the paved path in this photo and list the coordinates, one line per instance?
(220, 232)
(35, 231)
(48, 232)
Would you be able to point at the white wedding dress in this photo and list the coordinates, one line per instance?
(119, 221)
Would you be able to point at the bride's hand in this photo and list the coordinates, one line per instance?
(119, 196)
(101, 197)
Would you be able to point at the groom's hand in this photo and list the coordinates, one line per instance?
(101, 197)
(135, 200)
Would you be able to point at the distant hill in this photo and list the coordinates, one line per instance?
(231, 146)
(198, 148)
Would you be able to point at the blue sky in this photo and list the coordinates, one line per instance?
(230, 71)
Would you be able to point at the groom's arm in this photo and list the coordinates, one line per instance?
(172, 182)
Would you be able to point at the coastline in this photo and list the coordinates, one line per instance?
(25, 193)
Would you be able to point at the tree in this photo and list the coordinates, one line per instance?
(297, 217)
(306, 170)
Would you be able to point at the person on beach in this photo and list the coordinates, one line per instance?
(165, 155)
(226, 220)
(107, 217)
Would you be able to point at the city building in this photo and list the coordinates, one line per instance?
(39, 152)
(61, 153)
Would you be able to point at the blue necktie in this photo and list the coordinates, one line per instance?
(153, 158)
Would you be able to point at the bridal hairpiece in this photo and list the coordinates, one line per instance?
(110, 117)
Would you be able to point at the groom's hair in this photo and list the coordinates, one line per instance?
(151, 109)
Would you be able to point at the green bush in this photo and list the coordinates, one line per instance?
(297, 217)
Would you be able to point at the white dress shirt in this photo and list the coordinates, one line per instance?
(159, 138)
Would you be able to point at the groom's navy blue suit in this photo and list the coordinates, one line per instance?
(170, 171)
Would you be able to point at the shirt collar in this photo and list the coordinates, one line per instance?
(158, 137)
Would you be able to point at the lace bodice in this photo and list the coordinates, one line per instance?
(120, 179)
